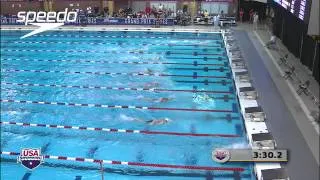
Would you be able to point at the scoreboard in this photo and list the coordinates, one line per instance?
(297, 7)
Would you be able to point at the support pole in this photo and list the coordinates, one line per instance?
(302, 40)
(314, 55)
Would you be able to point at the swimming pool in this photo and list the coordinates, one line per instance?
(71, 84)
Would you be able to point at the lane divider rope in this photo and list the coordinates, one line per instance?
(197, 45)
(117, 88)
(195, 63)
(127, 36)
(145, 132)
(114, 74)
(117, 43)
(205, 82)
(194, 58)
(234, 110)
(80, 159)
(113, 52)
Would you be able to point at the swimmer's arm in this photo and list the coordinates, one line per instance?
(149, 121)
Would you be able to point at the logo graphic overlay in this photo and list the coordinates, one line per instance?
(45, 20)
(221, 155)
(30, 158)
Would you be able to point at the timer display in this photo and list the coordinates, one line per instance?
(269, 155)
(249, 155)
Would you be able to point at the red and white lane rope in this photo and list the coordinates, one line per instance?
(116, 88)
(113, 106)
(80, 159)
(119, 43)
(145, 132)
(193, 45)
(122, 36)
(112, 73)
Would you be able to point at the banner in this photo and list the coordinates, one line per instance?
(10, 21)
(103, 21)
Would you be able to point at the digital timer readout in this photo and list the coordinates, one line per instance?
(269, 155)
(252, 155)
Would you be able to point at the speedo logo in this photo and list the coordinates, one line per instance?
(45, 20)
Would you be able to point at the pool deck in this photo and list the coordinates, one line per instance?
(290, 125)
(288, 115)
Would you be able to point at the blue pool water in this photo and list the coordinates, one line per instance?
(69, 67)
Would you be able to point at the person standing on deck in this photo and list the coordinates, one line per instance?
(241, 13)
(255, 21)
(251, 13)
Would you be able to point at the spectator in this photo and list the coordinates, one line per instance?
(241, 13)
(255, 21)
(160, 7)
(148, 11)
(271, 42)
(271, 14)
(206, 16)
(251, 13)
(215, 21)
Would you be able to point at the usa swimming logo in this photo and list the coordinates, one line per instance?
(45, 20)
(221, 155)
(30, 158)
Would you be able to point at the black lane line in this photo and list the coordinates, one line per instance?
(220, 58)
(205, 82)
(205, 69)
(26, 176)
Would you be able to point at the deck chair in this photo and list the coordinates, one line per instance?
(303, 88)
(283, 60)
(288, 74)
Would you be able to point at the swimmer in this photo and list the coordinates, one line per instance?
(158, 100)
(157, 58)
(148, 71)
(151, 85)
(204, 97)
(158, 121)
(162, 100)
(136, 51)
(149, 122)
(193, 128)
